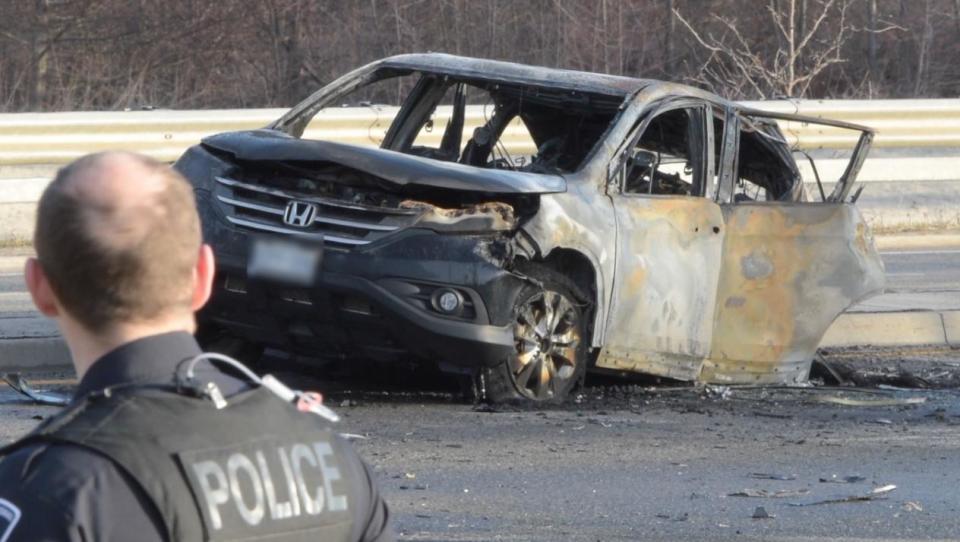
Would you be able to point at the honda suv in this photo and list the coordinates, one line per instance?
(523, 224)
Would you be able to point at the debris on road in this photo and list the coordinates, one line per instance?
(763, 493)
(898, 369)
(912, 506)
(886, 401)
(892, 376)
(881, 421)
(845, 480)
(773, 415)
(825, 371)
(418, 487)
(21, 385)
(877, 493)
(717, 392)
(768, 476)
(679, 517)
(761, 513)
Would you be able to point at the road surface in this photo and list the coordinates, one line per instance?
(630, 464)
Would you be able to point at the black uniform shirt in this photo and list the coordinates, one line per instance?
(63, 492)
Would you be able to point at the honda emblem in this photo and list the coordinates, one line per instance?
(300, 213)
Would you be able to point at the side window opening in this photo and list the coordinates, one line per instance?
(667, 159)
(767, 170)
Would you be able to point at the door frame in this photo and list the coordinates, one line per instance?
(664, 361)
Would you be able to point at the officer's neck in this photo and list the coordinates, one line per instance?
(87, 347)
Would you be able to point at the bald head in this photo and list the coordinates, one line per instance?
(118, 237)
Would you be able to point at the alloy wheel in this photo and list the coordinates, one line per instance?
(547, 337)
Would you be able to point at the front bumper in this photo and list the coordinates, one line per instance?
(371, 301)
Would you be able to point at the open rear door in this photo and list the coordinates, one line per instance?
(789, 268)
(859, 153)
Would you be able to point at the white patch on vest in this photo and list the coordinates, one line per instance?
(9, 516)
(246, 480)
(214, 496)
(237, 463)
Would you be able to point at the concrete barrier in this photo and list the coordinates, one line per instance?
(951, 328)
(891, 329)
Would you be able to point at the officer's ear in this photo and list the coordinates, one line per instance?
(39, 287)
(203, 277)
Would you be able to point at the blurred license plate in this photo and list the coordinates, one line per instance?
(284, 261)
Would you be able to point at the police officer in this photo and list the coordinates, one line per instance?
(159, 442)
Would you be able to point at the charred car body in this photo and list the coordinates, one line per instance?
(586, 219)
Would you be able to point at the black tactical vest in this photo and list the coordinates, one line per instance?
(255, 469)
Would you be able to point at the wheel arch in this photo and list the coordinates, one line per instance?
(585, 272)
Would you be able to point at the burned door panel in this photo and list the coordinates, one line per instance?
(788, 271)
(668, 260)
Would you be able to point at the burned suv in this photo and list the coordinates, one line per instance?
(524, 224)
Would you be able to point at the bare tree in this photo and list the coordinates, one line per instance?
(736, 65)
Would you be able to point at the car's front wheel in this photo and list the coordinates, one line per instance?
(550, 340)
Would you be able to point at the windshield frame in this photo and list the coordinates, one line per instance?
(295, 121)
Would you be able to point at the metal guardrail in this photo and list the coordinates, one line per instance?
(57, 138)
(898, 123)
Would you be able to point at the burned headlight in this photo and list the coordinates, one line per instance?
(480, 217)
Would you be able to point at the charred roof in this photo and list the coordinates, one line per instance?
(480, 68)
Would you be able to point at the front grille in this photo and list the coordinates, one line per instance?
(337, 222)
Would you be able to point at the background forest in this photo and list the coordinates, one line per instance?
(191, 54)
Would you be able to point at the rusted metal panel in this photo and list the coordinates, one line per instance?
(668, 265)
(788, 270)
(748, 303)
(676, 366)
(579, 220)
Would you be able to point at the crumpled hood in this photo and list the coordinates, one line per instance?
(401, 169)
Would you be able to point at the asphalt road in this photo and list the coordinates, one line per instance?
(629, 463)
(919, 279)
(923, 270)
